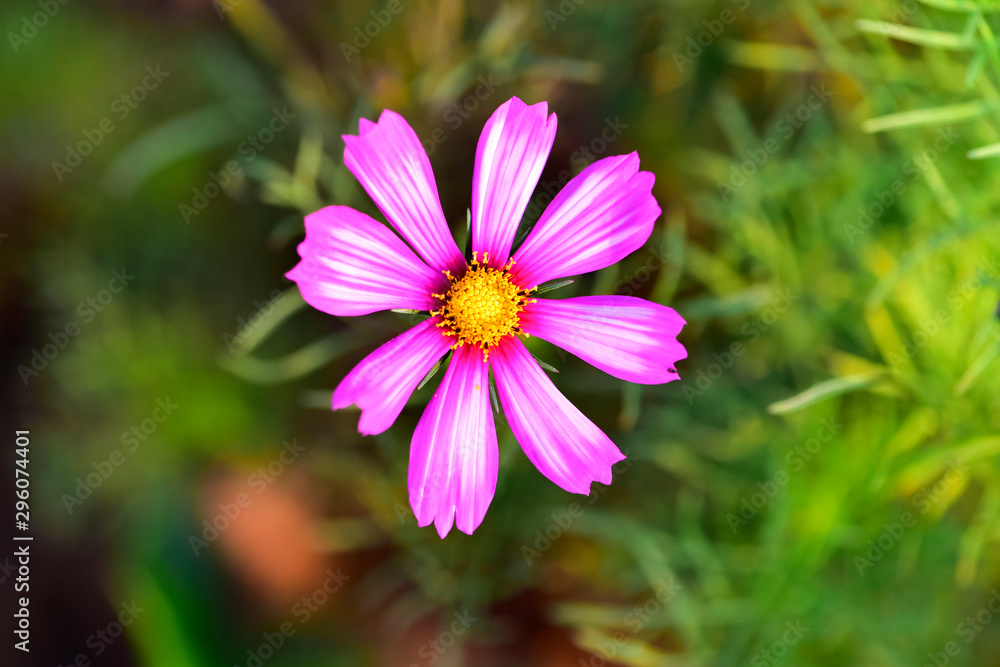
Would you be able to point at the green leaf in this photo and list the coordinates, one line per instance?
(824, 390)
(976, 65)
(990, 46)
(284, 307)
(168, 143)
(525, 230)
(931, 38)
(544, 365)
(468, 234)
(952, 113)
(976, 369)
(431, 373)
(494, 399)
(631, 406)
(770, 56)
(552, 285)
(983, 152)
(291, 366)
(964, 5)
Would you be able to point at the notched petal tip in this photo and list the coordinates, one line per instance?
(565, 446)
(602, 215)
(453, 454)
(630, 338)
(382, 383)
(511, 153)
(340, 398)
(443, 523)
(392, 166)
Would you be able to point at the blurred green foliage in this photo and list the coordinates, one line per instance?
(821, 486)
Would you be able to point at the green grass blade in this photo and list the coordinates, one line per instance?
(824, 390)
(953, 113)
(935, 39)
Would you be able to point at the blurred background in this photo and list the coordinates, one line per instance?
(820, 487)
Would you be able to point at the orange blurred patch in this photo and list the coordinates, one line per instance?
(271, 540)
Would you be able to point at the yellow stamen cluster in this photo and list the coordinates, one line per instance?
(482, 306)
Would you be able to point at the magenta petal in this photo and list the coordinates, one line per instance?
(630, 338)
(352, 265)
(510, 156)
(382, 383)
(603, 214)
(453, 455)
(392, 166)
(564, 445)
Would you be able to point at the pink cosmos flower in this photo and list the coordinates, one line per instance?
(353, 265)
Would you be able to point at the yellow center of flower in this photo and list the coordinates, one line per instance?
(482, 306)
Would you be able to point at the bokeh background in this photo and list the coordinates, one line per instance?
(820, 487)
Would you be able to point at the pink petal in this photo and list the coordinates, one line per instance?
(603, 214)
(510, 156)
(630, 338)
(453, 455)
(382, 383)
(352, 265)
(563, 444)
(392, 166)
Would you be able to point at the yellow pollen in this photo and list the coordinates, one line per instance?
(482, 306)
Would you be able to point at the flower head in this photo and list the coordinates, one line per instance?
(482, 308)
